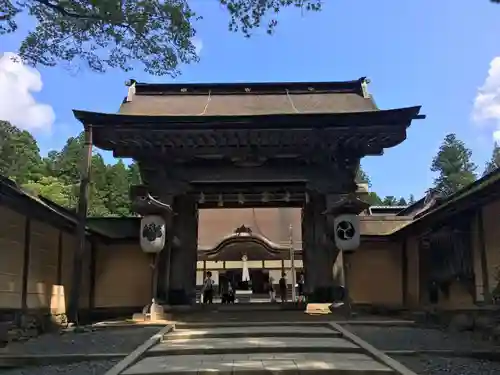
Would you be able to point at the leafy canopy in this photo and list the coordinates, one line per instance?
(116, 33)
(494, 163)
(454, 166)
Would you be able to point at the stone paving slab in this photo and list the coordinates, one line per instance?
(253, 343)
(242, 331)
(332, 363)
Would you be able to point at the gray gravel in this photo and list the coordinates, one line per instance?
(430, 365)
(113, 340)
(413, 338)
(407, 338)
(80, 368)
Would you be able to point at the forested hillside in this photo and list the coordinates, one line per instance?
(57, 175)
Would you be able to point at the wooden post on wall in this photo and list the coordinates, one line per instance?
(93, 275)
(26, 265)
(73, 305)
(484, 259)
(404, 272)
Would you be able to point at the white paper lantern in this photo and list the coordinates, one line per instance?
(153, 233)
(347, 234)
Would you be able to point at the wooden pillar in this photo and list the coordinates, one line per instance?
(182, 283)
(404, 271)
(413, 271)
(319, 251)
(59, 258)
(81, 246)
(93, 275)
(161, 276)
(26, 264)
(483, 256)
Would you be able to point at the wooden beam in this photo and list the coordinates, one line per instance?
(26, 264)
(73, 305)
(404, 271)
(59, 258)
(278, 172)
(484, 257)
(93, 274)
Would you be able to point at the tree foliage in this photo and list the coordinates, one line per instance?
(454, 166)
(57, 176)
(373, 199)
(494, 163)
(116, 33)
(19, 154)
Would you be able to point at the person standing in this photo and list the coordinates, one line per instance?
(230, 292)
(272, 292)
(301, 287)
(283, 288)
(208, 289)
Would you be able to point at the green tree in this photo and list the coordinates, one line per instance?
(134, 174)
(402, 202)
(453, 165)
(373, 199)
(494, 162)
(116, 33)
(389, 201)
(99, 188)
(411, 199)
(118, 201)
(51, 188)
(19, 154)
(362, 177)
(67, 162)
(49, 163)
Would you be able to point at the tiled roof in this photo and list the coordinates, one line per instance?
(247, 99)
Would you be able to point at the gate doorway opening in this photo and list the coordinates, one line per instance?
(256, 242)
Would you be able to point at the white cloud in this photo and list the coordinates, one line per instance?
(17, 104)
(198, 45)
(487, 102)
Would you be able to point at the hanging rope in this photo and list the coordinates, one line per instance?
(205, 109)
(291, 102)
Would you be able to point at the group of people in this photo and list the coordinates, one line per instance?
(226, 290)
(228, 295)
(283, 288)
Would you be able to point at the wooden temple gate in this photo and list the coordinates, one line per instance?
(247, 145)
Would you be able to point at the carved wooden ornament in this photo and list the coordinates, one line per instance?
(346, 231)
(153, 233)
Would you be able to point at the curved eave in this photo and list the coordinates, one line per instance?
(392, 117)
(265, 243)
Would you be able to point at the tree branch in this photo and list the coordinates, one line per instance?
(64, 12)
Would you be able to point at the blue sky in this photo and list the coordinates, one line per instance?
(431, 53)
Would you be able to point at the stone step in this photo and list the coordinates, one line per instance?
(256, 331)
(236, 344)
(286, 363)
(203, 325)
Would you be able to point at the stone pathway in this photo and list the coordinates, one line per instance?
(238, 349)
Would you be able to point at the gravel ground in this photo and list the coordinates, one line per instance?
(80, 368)
(111, 340)
(101, 341)
(407, 338)
(430, 365)
(410, 338)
